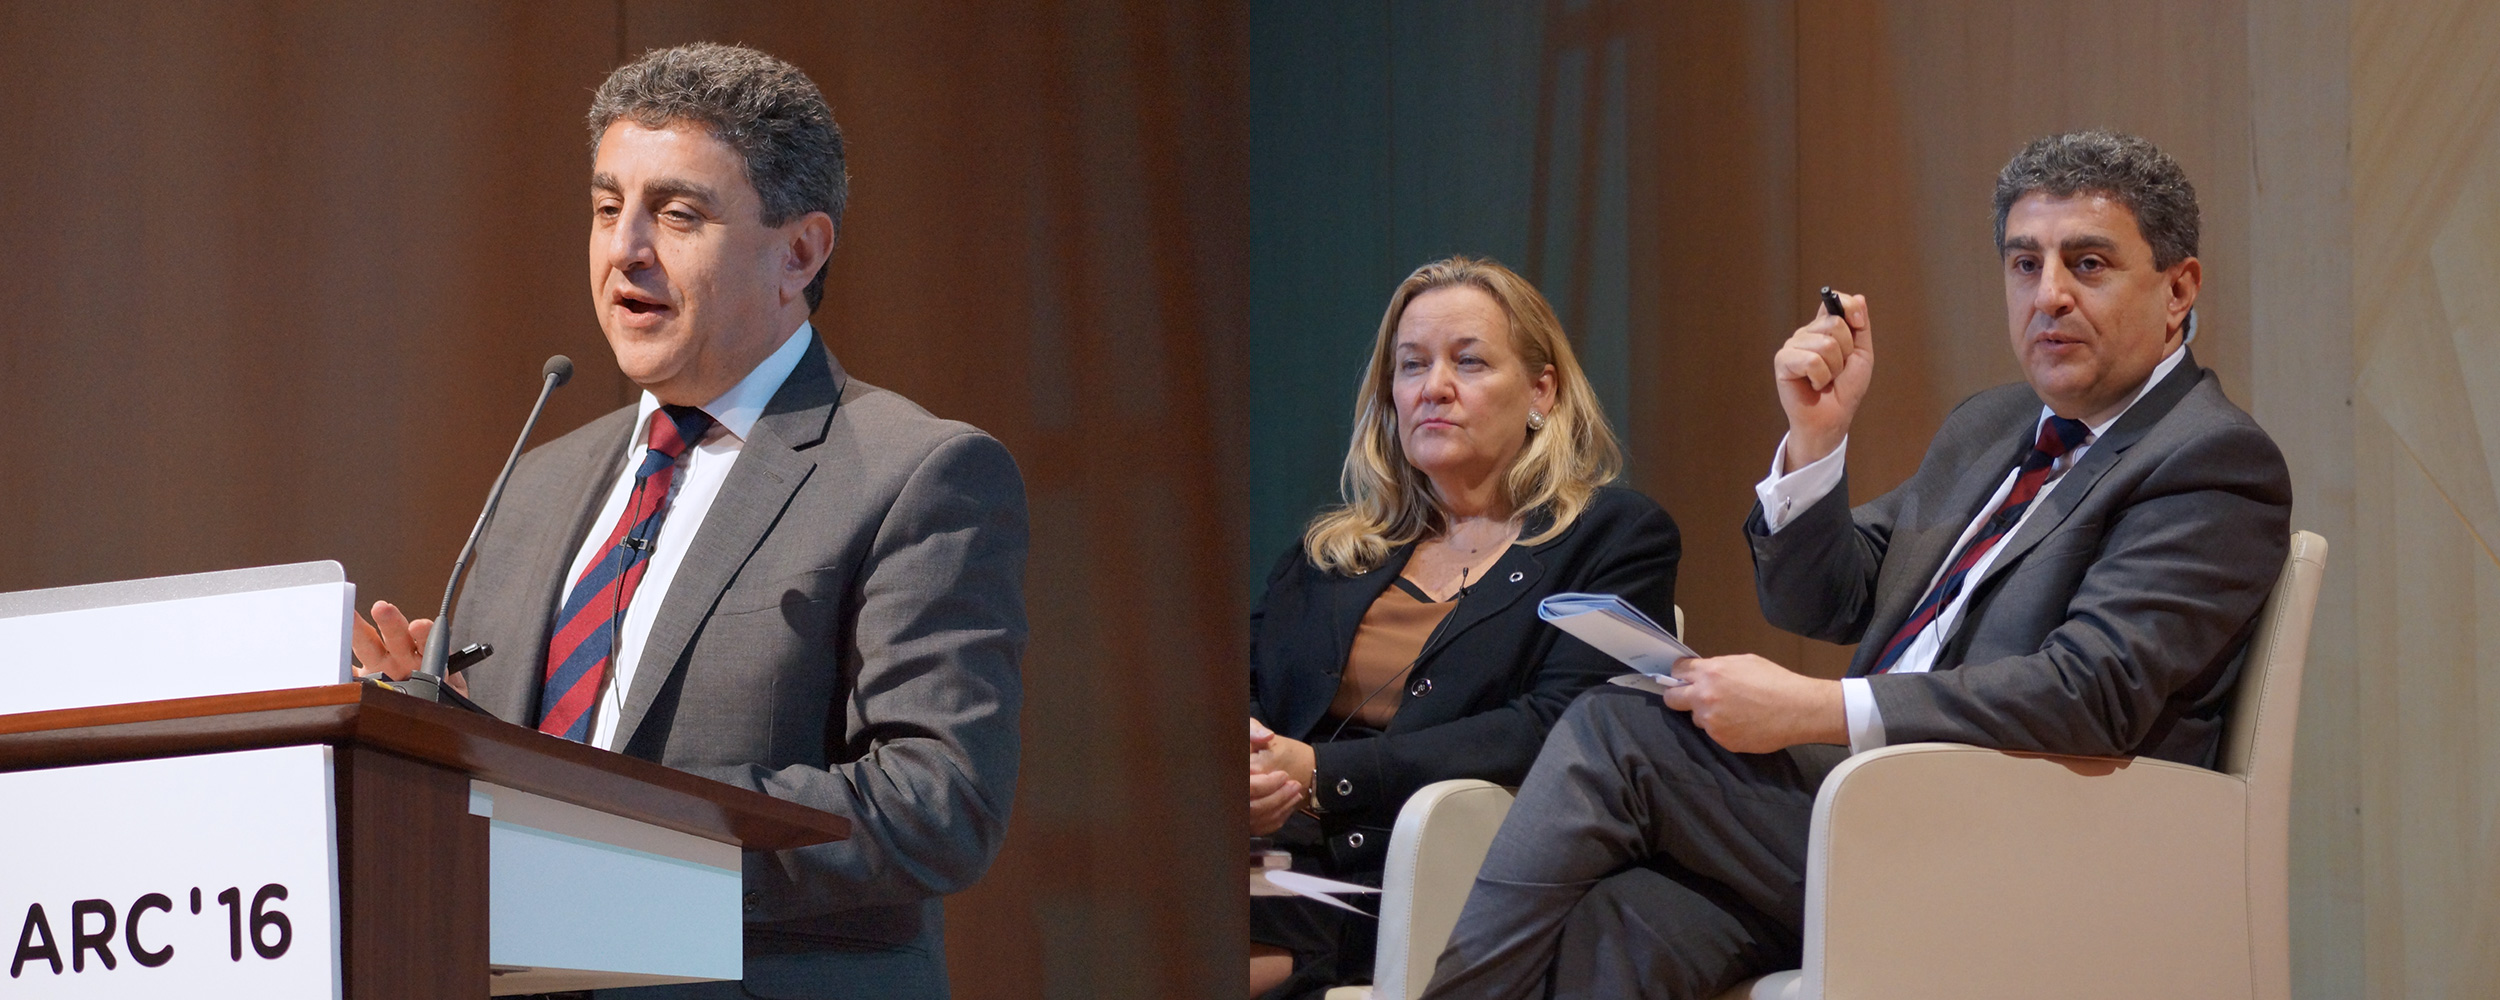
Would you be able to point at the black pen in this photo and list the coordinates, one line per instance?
(1831, 304)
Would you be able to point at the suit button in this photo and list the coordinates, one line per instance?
(1421, 687)
(1345, 786)
(754, 898)
(1354, 840)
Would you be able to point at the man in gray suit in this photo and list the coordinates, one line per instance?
(2075, 568)
(765, 572)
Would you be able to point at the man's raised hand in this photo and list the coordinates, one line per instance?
(1822, 373)
(390, 644)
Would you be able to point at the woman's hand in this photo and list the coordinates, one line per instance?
(1280, 771)
(1273, 798)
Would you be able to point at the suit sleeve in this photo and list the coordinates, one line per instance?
(1816, 576)
(1637, 561)
(2180, 574)
(933, 747)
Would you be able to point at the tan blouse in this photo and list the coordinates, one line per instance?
(1391, 636)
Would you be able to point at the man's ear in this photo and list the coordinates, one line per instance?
(2182, 283)
(808, 241)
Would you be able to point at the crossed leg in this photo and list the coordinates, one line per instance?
(1641, 860)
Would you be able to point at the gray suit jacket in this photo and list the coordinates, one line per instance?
(2113, 623)
(844, 633)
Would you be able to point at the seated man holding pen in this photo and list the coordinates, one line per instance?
(2075, 568)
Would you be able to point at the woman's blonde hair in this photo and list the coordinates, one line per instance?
(1389, 503)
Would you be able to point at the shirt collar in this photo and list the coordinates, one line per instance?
(2160, 372)
(737, 410)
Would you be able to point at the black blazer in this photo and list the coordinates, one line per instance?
(1490, 683)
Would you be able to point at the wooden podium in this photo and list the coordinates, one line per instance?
(425, 798)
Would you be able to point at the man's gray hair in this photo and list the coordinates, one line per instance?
(762, 107)
(2122, 167)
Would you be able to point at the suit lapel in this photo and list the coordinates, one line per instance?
(553, 552)
(1516, 573)
(1513, 575)
(1345, 600)
(2077, 483)
(1924, 552)
(1354, 599)
(767, 473)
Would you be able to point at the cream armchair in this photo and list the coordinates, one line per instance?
(1938, 871)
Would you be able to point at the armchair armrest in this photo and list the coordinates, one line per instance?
(1440, 840)
(2025, 875)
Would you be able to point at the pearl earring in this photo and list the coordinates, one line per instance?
(1536, 421)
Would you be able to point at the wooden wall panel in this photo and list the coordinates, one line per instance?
(285, 273)
(2301, 361)
(2425, 175)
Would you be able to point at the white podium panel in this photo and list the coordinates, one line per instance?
(582, 899)
(207, 876)
(175, 637)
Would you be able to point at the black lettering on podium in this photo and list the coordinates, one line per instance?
(130, 930)
(265, 918)
(36, 927)
(233, 898)
(82, 940)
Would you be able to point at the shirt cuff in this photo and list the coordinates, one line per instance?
(1866, 722)
(1783, 496)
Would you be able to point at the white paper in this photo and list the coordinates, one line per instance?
(1619, 630)
(1315, 887)
(175, 637)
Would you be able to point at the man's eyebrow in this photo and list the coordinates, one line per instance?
(669, 187)
(2071, 244)
(659, 190)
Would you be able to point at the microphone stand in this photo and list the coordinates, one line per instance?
(430, 681)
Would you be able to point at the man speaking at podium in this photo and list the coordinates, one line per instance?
(2075, 568)
(765, 572)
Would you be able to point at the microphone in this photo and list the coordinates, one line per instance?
(427, 682)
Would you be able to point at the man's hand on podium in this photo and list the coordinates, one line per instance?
(391, 644)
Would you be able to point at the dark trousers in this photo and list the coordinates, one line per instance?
(1641, 860)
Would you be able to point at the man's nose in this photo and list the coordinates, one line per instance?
(2055, 294)
(628, 245)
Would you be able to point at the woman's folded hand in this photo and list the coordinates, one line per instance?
(1273, 797)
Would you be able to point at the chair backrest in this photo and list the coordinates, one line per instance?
(2257, 746)
(2257, 733)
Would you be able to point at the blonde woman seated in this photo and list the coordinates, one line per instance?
(1399, 644)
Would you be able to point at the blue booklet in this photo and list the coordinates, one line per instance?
(1619, 630)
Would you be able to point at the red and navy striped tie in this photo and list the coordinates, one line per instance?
(585, 635)
(2058, 436)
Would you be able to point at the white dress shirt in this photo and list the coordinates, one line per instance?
(700, 472)
(1783, 496)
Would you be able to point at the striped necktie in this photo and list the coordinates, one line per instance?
(2058, 436)
(586, 630)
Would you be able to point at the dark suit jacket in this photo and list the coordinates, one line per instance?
(1487, 687)
(2113, 623)
(844, 633)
